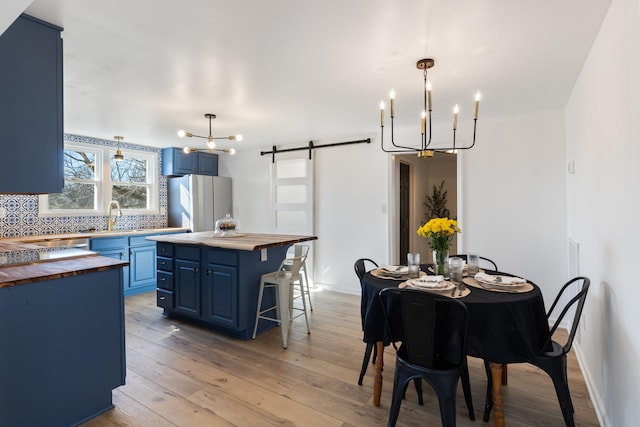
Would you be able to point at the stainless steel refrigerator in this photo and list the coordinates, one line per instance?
(198, 201)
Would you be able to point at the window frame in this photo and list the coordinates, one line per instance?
(104, 184)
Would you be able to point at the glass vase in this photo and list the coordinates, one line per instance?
(441, 263)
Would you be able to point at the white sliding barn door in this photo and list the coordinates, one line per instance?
(292, 194)
(292, 198)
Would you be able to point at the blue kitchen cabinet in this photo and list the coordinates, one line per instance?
(176, 162)
(187, 287)
(141, 254)
(142, 260)
(31, 107)
(113, 247)
(216, 287)
(63, 348)
(220, 293)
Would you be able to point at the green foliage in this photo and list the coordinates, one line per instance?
(435, 205)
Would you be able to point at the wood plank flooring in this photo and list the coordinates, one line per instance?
(179, 374)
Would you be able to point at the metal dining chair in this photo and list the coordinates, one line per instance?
(433, 348)
(553, 356)
(360, 268)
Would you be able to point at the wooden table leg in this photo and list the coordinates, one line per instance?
(377, 382)
(498, 410)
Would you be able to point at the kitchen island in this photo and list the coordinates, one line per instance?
(62, 335)
(214, 280)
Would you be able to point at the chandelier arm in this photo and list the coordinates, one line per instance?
(404, 148)
(408, 150)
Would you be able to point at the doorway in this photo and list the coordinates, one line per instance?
(414, 180)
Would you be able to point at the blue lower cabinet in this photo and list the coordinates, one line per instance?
(63, 349)
(215, 287)
(187, 287)
(220, 293)
(141, 254)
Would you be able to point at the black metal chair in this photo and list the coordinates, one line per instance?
(433, 348)
(360, 268)
(486, 261)
(553, 356)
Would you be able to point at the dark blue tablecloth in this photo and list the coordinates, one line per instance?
(503, 327)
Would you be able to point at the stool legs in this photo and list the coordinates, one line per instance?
(306, 283)
(283, 302)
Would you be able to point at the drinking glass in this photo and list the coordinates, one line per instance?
(455, 269)
(413, 263)
(473, 265)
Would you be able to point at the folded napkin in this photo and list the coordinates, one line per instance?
(499, 280)
(429, 282)
(400, 269)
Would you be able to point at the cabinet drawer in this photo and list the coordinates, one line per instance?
(218, 256)
(164, 264)
(101, 243)
(164, 298)
(190, 253)
(165, 249)
(140, 241)
(165, 280)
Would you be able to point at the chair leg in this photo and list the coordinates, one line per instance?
(260, 292)
(418, 384)
(399, 387)
(365, 361)
(304, 305)
(282, 296)
(488, 402)
(557, 372)
(466, 389)
(446, 391)
(306, 283)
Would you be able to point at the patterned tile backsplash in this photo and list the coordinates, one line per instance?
(21, 211)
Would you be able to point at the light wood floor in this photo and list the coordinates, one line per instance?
(185, 375)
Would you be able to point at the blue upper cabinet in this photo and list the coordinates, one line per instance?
(31, 107)
(176, 162)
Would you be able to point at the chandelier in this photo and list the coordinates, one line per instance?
(425, 149)
(211, 144)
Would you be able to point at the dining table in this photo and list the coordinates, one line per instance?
(504, 326)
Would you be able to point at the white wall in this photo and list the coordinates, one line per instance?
(514, 198)
(603, 138)
(10, 10)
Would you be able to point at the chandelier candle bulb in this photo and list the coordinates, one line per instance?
(475, 105)
(429, 94)
(456, 109)
(381, 113)
(392, 96)
(423, 122)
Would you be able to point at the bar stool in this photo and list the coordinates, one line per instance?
(302, 251)
(282, 281)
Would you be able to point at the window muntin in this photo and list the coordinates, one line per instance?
(80, 186)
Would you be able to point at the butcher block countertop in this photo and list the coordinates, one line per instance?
(241, 241)
(36, 272)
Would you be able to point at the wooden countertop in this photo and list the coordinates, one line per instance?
(242, 241)
(36, 272)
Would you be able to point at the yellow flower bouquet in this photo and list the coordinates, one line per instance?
(440, 232)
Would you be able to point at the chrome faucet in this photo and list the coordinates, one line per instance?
(111, 222)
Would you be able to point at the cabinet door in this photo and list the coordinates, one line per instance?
(31, 107)
(187, 287)
(221, 295)
(176, 162)
(207, 163)
(142, 261)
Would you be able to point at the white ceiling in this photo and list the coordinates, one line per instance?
(290, 71)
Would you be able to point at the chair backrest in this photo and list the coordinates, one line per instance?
(298, 250)
(484, 262)
(582, 283)
(434, 326)
(360, 267)
(290, 268)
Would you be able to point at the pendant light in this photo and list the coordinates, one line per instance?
(118, 157)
